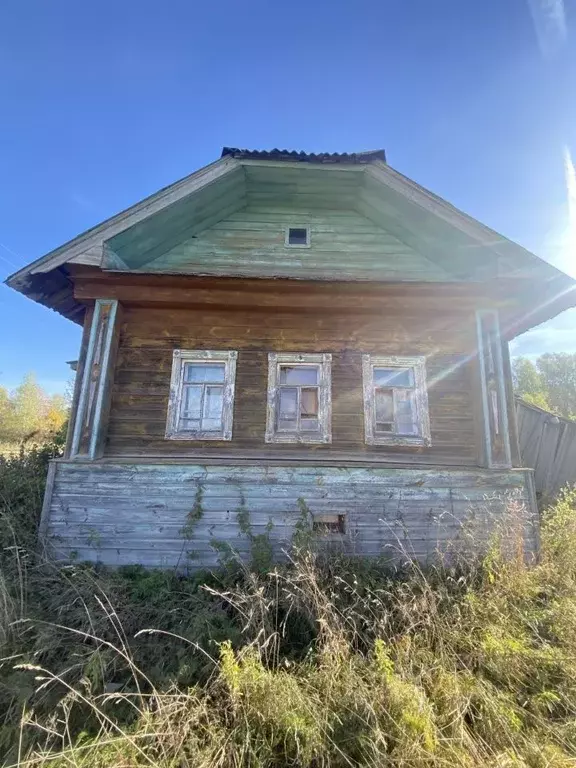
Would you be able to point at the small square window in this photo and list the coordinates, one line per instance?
(201, 395)
(298, 398)
(297, 237)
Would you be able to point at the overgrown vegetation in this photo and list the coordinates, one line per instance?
(29, 416)
(316, 663)
(549, 382)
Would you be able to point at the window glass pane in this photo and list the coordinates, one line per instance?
(393, 377)
(201, 372)
(297, 236)
(211, 425)
(309, 403)
(288, 406)
(212, 403)
(384, 405)
(189, 425)
(298, 374)
(309, 425)
(405, 413)
(191, 402)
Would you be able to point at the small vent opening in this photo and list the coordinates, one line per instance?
(325, 524)
(298, 236)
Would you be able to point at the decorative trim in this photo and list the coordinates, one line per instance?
(501, 390)
(95, 380)
(103, 382)
(324, 362)
(181, 356)
(418, 365)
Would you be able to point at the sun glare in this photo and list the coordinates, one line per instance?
(568, 243)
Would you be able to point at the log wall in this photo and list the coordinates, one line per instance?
(150, 334)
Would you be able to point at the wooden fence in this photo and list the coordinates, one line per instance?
(548, 445)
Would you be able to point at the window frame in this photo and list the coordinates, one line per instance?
(179, 359)
(418, 365)
(324, 363)
(287, 242)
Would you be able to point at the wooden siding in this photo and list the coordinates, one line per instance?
(118, 513)
(548, 445)
(251, 242)
(149, 336)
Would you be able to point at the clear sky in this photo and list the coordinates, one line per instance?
(103, 103)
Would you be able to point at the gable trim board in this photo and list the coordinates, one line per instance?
(459, 248)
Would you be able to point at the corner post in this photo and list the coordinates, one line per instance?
(90, 418)
(495, 419)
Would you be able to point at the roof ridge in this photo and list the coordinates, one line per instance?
(366, 156)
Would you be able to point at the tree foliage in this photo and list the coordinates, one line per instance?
(30, 413)
(549, 382)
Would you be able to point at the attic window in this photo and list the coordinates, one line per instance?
(298, 237)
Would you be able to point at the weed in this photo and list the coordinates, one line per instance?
(332, 662)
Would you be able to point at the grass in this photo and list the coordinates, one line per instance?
(315, 663)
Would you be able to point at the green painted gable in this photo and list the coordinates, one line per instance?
(367, 222)
(362, 228)
(343, 244)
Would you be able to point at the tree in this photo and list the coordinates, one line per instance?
(29, 412)
(528, 383)
(56, 414)
(558, 372)
(549, 383)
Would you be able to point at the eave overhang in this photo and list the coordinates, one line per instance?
(464, 250)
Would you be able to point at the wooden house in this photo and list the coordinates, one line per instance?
(288, 333)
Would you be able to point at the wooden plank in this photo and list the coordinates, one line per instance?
(125, 513)
(104, 390)
(79, 376)
(47, 503)
(510, 406)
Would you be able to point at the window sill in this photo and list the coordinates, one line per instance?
(198, 436)
(301, 439)
(417, 442)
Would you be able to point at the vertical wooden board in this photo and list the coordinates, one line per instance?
(104, 393)
(511, 405)
(78, 379)
(47, 503)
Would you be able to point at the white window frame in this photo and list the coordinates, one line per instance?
(418, 366)
(324, 364)
(287, 242)
(179, 358)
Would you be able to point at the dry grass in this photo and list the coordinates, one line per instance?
(317, 663)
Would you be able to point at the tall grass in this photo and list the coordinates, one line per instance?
(320, 662)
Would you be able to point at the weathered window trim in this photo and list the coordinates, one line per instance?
(418, 365)
(486, 337)
(287, 242)
(179, 358)
(324, 363)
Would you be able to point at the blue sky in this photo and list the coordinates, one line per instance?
(104, 103)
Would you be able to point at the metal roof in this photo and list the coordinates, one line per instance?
(305, 157)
